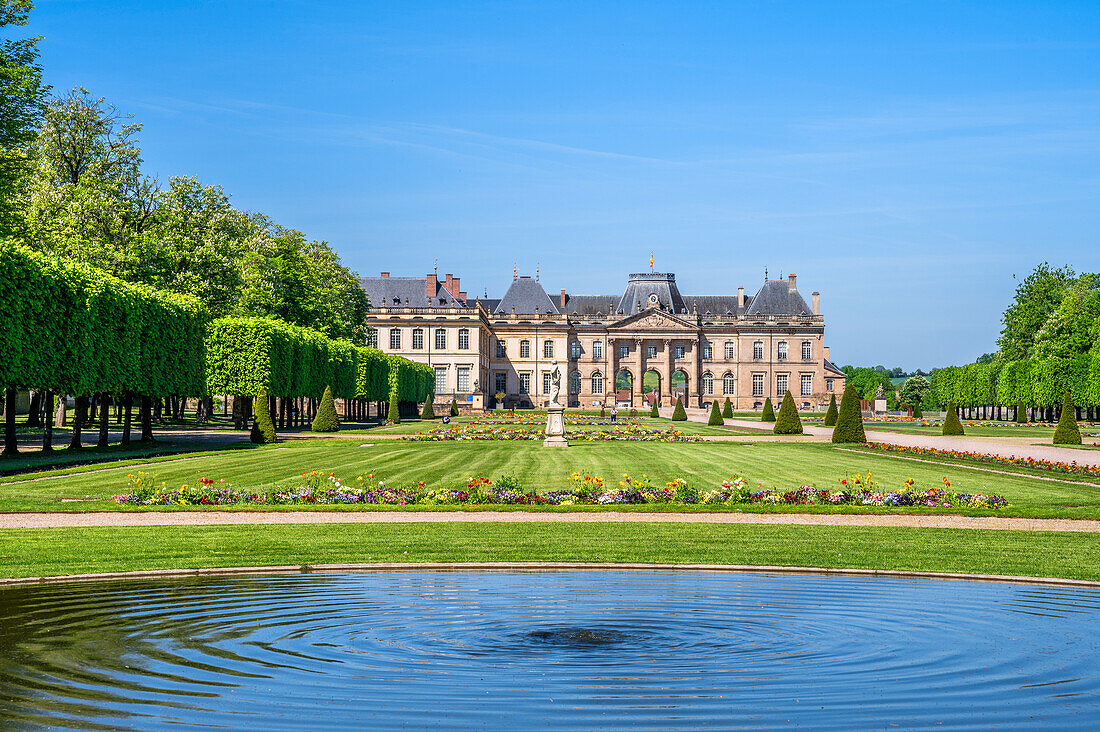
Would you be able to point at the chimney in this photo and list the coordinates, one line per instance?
(817, 303)
(462, 296)
(561, 302)
(433, 286)
(741, 297)
(826, 348)
(454, 287)
(447, 283)
(385, 274)
(791, 280)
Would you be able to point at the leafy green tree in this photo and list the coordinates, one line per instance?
(22, 99)
(1037, 297)
(1074, 325)
(326, 419)
(678, 413)
(849, 421)
(1067, 432)
(951, 424)
(831, 413)
(428, 412)
(715, 415)
(767, 414)
(727, 409)
(788, 422)
(913, 392)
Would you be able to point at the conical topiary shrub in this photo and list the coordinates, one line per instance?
(1067, 432)
(393, 412)
(952, 425)
(653, 409)
(715, 415)
(830, 414)
(788, 423)
(917, 413)
(727, 409)
(326, 419)
(1021, 413)
(678, 414)
(428, 412)
(768, 415)
(454, 407)
(849, 420)
(263, 429)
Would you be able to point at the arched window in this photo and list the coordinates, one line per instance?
(440, 339)
(525, 349)
(418, 338)
(758, 350)
(597, 382)
(464, 339)
(728, 384)
(807, 350)
(395, 339)
(575, 382)
(548, 349)
(708, 383)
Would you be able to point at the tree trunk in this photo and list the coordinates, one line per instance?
(128, 406)
(80, 416)
(34, 414)
(146, 419)
(104, 416)
(156, 409)
(47, 428)
(10, 445)
(59, 415)
(282, 412)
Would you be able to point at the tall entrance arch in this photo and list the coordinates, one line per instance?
(678, 386)
(651, 386)
(624, 387)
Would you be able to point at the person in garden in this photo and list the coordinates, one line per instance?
(614, 414)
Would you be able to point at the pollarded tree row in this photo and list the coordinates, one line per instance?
(1030, 383)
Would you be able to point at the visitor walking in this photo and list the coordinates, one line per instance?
(614, 414)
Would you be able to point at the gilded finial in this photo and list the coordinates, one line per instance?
(536, 271)
(515, 272)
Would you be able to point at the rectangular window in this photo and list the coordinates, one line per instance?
(440, 379)
(463, 380)
(525, 383)
(545, 382)
(464, 339)
(680, 351)
(624, 351)
(807, 384)
(729, 350)
(807, 350)
(828, 384)
(372, 338)
(651, 352)
(418, 338)
(758, 384)
(708, 352)
(576, 350)
(548, 349)
(395, 339)
(782, 350)
(525, 349)
(502, 351)
(758, 350)
(440, 339)
(597, 349)
(780, 384)
(502, 383)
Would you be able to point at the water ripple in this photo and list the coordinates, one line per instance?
(546, 649)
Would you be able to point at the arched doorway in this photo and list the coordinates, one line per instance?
(624, 387)
(679, 386)
(651, 386)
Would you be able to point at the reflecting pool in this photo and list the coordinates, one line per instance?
(551, 650)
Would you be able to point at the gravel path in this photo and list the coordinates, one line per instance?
(218, 518)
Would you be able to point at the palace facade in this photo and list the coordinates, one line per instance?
(647, 343)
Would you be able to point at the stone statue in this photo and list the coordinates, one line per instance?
(555, 385)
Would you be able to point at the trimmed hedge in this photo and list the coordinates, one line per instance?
(1031, 382)
(1021, 413)
(678, 414)
(715, 415)
(653, 409)
(1067, 432)
(454, 407)
(830, 414)
(727, 409)
(768, 414)
(952, 425)
(326, 419)
(788, 422)
(263, 429)
(428, 412)
(849, 420)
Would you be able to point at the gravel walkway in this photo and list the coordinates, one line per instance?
(213, 518)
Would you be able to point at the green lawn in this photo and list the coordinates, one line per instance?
(55, 552)
(687, 428)
(450, 464)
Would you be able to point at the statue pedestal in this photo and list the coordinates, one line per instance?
(555, 427)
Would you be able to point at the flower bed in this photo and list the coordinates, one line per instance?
(476, 431)
(316, 488)
(1071, 467)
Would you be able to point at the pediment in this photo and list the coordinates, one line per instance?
(653, 319)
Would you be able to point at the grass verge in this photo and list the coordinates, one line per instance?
(59, 552)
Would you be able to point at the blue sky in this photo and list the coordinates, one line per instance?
(904, 159)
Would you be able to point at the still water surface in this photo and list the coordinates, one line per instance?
(552, 650)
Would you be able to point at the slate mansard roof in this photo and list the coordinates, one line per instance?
(777, 298)
(526, 296)
(406, 292)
